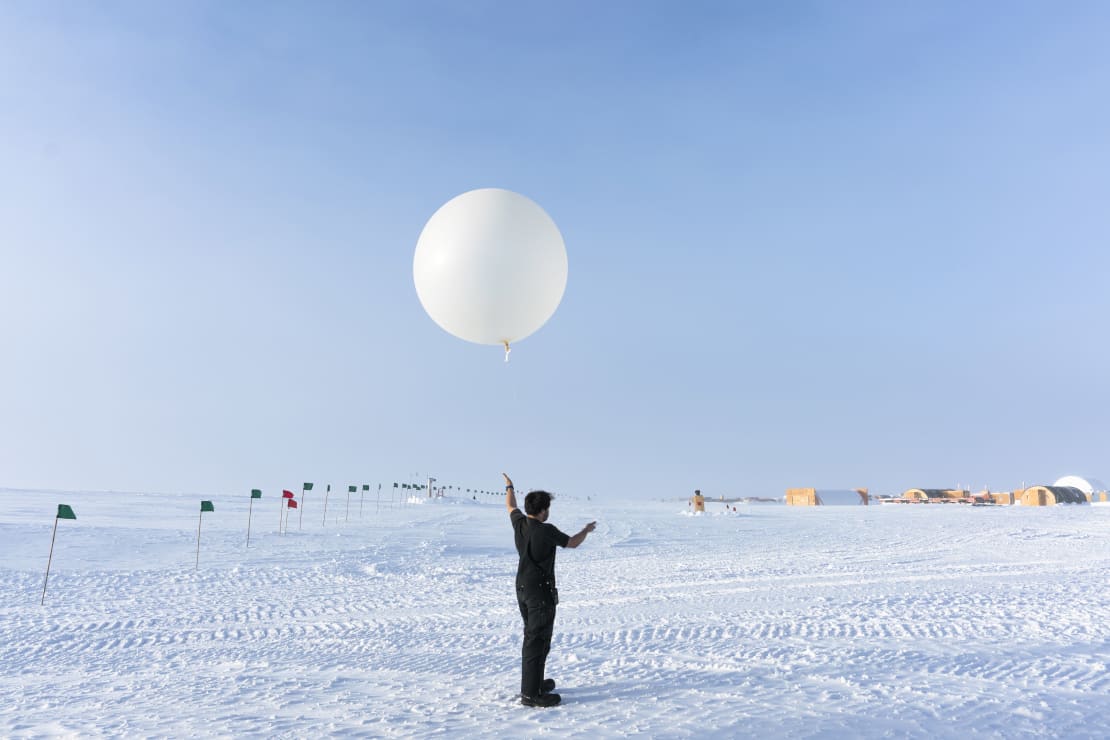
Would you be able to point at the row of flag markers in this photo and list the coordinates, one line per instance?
(64, 512)
(290, 502)
(204, 506)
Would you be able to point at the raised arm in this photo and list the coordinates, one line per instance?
(510, 494)
(579, 538)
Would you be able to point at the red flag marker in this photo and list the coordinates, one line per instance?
(290, 503)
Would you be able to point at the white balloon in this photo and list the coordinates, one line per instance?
(490, 266)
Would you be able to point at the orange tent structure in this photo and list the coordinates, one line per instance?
(827, 497)
(1052, 495)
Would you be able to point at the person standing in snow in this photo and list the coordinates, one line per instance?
(536, 593)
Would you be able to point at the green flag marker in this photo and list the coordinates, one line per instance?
(366, 486)
(352, 489)
(64, 512)
(204, 506)
(394, 485)
(307, 486)
(255, 493)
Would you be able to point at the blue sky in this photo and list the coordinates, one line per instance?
(829, 244)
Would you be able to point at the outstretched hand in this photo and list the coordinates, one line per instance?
(508, 480)
(579, 538)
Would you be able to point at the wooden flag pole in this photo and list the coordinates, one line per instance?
(326, 494)
(199, 519)
(361, 499)
(64, 512)
(204, 506)
(286, 497)
(48, 560)
(290, 504)
(300, 516)
(255, 493)
(378, 500)
(347, 518)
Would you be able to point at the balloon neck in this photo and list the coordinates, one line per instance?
(507, 350)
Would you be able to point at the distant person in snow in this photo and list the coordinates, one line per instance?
(536, 594)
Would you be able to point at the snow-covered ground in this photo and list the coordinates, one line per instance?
(923, 621)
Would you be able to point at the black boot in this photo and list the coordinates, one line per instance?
(543, 700)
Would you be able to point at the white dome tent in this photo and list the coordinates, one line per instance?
(1086, 485)
(1093, 488)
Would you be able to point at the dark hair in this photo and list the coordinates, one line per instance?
(536, 502)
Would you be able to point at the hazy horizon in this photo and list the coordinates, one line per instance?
(810, 244)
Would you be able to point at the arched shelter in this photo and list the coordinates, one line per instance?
(1052, 495)
(827, 497)
(937, 495)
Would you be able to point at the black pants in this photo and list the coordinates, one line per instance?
(537, 609)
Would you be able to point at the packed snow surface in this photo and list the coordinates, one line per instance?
(774, 621)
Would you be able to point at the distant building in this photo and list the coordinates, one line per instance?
(827, 497)
(1052, 495)
(938, 495)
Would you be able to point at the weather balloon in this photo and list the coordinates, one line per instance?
(490, 267)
